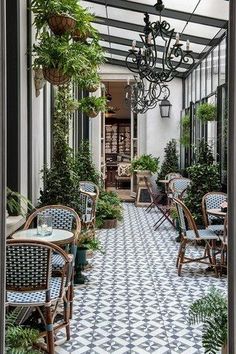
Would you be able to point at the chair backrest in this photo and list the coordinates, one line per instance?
(90, 187)
(171, 175)
(184, 215)
(29, 265)
(87, 207)
(124, 169)
(63, 217)
(178, 185)
(212, 200)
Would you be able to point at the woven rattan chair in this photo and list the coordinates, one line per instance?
(213, 200)
(89, 187)
(63, 218)
(190, 234)
(29, 283)
(87, 211)
(224, 246)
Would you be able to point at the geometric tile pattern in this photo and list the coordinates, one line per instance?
(134, 301)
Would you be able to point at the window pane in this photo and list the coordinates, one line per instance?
(215, 68)
(222, 61)
(209, 67)
(193, 86)
(203, 79)
(186, 93)
(197, 78)
(189, 88)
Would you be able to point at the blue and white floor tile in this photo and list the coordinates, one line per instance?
(134, 301)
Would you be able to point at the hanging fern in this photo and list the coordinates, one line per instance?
(211, 310)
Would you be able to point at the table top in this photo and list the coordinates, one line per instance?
(57, 237)
(216, 212)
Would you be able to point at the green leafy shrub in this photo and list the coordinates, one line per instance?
(205, 178)
(17, 204)
(185, 123)
(108, 207)
(145, 163)
(211, 310)
(206, 112)
(170, 162)
(88, 241)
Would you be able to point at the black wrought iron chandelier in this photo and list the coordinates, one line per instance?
(143, 97)
(146, 62)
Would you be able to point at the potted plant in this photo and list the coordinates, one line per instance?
(91, 82)
(211, 310)
(93, 105)
(58, 14)
(109, 210)
(145, 165)
(17, 204)
(83, 28)
(60, 59)
(206, 112)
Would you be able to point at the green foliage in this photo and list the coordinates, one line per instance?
(170, 163)
(84, 167)
(84, 27)
(206, 112)
(17, 204)
(93, 104)
(19, 339)
(185, 123)
(205, 178)
(145, 163)
(88, 241)
(92, 80)
(108, 207)
(212, 311)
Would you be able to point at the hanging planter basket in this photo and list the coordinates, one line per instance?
(91, 88)
(55, 76)
(60, 24)
(92, 114)
(78, 36)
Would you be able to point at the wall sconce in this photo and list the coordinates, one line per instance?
(39, 81)
(165, 107)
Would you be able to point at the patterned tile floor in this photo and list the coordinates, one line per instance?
(134, 301)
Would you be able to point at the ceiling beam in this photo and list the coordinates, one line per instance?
(170, 13)
(122, 63)
(122, 53)
(127, 42)
(139, 29)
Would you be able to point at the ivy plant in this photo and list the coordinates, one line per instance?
(185, 123)
(93, 104)
(206, 112)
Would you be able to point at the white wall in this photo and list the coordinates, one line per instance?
(160, 130)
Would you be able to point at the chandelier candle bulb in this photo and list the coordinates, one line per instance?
(177, 38)
(149, 38)
(187, 45)
(134, 44)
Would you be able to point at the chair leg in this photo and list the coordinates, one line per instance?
(66, 316)
(49, 330)
(182, 254)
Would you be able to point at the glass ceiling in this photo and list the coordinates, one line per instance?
(119, 22)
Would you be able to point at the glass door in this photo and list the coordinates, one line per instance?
(102, 142)
(134, 149)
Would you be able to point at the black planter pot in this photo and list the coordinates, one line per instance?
(80, 262)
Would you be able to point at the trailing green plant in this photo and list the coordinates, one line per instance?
(84, 167)
(93, 105)
(211, 310)
(185, 137)
(206, 112)
(88, 241)
(19, 339)
(108, 207)
(91, 81)
(17, 204)
(84, 27)
(170, 162)
(205, 177)
(145, 163)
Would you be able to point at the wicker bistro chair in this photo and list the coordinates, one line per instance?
(191, 236)
(213, 200)
(29, 283)
(89, 187)
(64, 218)
(123, 173)
(87, 210)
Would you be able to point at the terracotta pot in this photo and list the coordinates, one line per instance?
(92, 114)
(55, 76)
(78, 36)
(60, 24)
(109, 223)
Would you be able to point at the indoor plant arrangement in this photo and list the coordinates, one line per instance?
(206, 112)
(145, 163)
(109, 210)
(93, 105)
(211, 310)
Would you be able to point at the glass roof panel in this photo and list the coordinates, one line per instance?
(212, 8)
(101, 28)
(196, 29)
(99, 10)
(180, 5)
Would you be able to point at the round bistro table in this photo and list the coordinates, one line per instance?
(58, 236)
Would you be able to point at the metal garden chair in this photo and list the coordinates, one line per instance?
(29, 283)
(63, 218)
(190, 234)
(213, 200)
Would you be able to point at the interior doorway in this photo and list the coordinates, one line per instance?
(118, 140)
